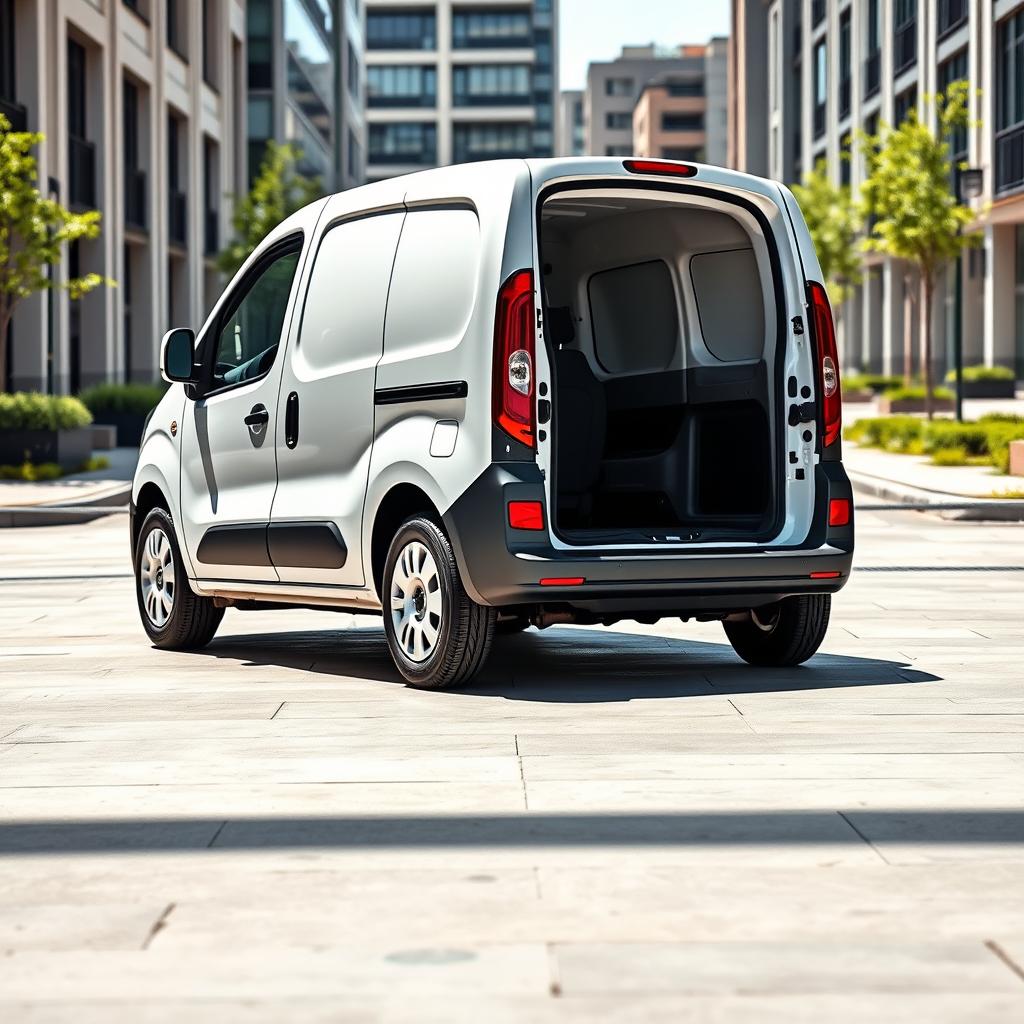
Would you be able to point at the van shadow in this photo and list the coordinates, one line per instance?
(571, 665)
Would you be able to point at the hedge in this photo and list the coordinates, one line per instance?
(870, 382)
(29, 410)
(916, 393)
(976, 373)
(122, 398)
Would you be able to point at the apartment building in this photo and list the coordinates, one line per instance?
(682, 115)
(807, 75)
(143, 108)
(452, 81)
(614, 88)
(572, 136)
(306, 83)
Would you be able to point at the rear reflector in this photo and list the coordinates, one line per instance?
(526, 515)
(825, 575)
(660, 167)
(839, 512)
(567, 581)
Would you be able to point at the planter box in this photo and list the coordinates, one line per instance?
(68, 448)
(1017, 458)
(103, 437)
(889, 407)
(861, 395)
(129, 426)
(989, 388)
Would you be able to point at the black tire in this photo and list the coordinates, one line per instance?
(465, 629)
(192, 620)
(784, 634)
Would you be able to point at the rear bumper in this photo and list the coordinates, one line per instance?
(503, 567)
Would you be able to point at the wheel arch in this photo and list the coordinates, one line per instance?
(401, 502)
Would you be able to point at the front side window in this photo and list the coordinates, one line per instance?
(247, 341)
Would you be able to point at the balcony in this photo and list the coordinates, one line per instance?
(15, 113)
(135, 199)
(81, 172)
(952, 14)
(211, 232)
(904, 43)
(872, 74)
(177, 218)
(1010, 159)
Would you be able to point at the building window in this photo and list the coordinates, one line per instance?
(845, 159)
(401, 30)
(619, 87)
(904, 34)
(9, 105)
(259, 24)
(820, 87)
(177, 27)
(618, 120)
(695, 153)
(817, 12)
(490, 141)
(873, 61)
(211, 193)
(211, 41)
(952, 14)
(135, 206)
(618, 150)
(484, 29)
(487, 84)
(845, 69)
(1010, 103)
(177, 201)
(401, 85)
(955, 70)
(353, 71)
(81, 152)
(354, 157)
(904, 103)
(676, 122)
(403, 143)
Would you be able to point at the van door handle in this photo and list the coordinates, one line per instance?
(258, 417)
(291, 420)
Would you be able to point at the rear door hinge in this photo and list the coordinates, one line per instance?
(806, 412)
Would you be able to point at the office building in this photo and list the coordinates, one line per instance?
(452, 81)
(807, 75)
(681, 115)
(306, 85)
(143, 109)
(572, 136)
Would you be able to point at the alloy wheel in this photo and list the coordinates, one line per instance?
(417, 605)
(156, 577)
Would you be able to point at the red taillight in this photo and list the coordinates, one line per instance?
(839, 512)
(563, 581)
(514, 358)
(526, 515)
(827, 359)
(825, 575)
(660, 167)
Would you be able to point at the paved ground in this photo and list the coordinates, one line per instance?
(618, 824)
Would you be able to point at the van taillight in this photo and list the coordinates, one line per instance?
(514, 358)
(827, 360)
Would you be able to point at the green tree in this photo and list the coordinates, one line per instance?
(834, 221)
(278, 191)
(33, 231)
(915, 213)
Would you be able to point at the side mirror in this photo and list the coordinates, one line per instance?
(177, 356)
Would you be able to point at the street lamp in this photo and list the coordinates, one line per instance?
(970, 182)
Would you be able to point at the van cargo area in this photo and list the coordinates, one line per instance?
(662, 330)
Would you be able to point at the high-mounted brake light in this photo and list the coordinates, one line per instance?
(514, 344)
(660, 167)
(827, 360)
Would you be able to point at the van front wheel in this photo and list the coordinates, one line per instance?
(783, 634)
(438, 636)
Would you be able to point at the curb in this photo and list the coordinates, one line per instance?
(948, 506)
(110, 502)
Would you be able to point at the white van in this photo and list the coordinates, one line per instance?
(502, 394)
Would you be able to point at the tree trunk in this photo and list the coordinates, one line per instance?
(927, 295)
(908, 331)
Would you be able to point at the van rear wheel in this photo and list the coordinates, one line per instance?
(438, 636)
(782, 634)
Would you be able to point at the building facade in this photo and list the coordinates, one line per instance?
(681, 115)
(143, 109)
(452, 81)
(306, 81)
(835, 67)
(572, 135)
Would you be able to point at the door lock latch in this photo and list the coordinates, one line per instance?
(806, 412)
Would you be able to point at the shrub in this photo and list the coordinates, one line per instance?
(895, 433)
(1001, 417)
(122, 398)
(950, 457)
(975, 373)
(999, 437)
(29, 410)
(31, 472)
(878, 382)
(944, 435)
(917, 393)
